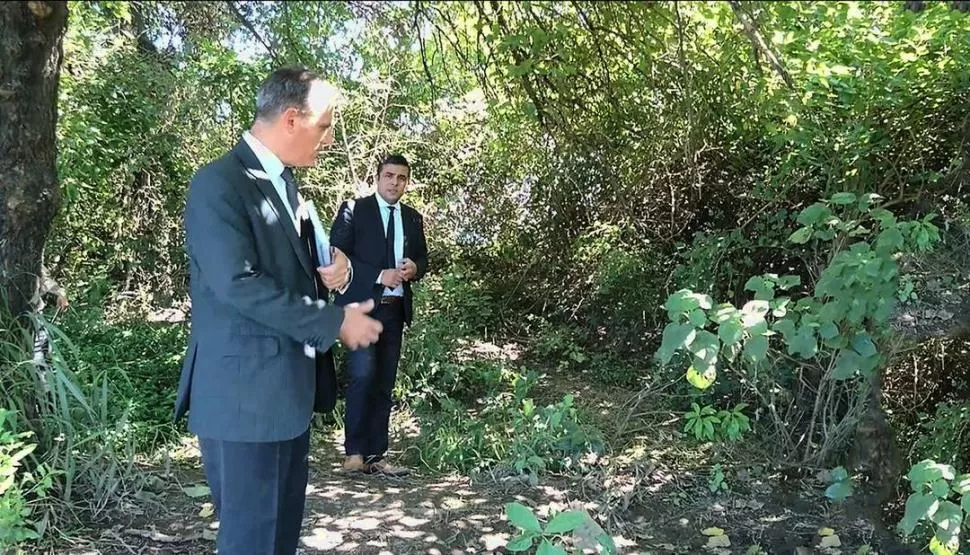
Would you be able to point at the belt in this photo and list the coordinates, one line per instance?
(389, 299)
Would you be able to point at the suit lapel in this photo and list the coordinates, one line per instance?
(255, 172)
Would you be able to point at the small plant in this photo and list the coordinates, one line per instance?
(584, 530)
(716, 482)
(701, 422)
(734, 423)
(840, 484)
(17, 487)
(936, 490)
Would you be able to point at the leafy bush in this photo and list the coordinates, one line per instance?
(19, 487)
(936, 490)
(585, 532)
(831, 335)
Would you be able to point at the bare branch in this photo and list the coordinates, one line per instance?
(751, 29)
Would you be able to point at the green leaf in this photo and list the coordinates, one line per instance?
(756, 348)
(702, 380)
(940, 488)
(705, 346)
(521, 543)
(787, 282)
(838, 474)
(814, 213)
(843, 198)
(730, 332)
(839, 491)
(804, 343)
(523, 518)
(828, 330)
(889, 241)
(196, 491)
(961, 484)
(697, 318)
(845, 365)
(675, 337)
(724, 313)
(927, 471)
(918, 507)
(949, 518)
(546, 548)
(565, 522)
(864, 345)
(785, 327)
(800, 237)
(763, 289)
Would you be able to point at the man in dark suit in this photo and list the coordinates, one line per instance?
(259, 362)
(384, 239)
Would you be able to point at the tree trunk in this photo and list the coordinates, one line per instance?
(31, 50)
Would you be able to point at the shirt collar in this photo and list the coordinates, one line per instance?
(271, 163)
(383, 203)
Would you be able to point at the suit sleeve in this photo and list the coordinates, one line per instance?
(421, 248)
(220, 242)
(342, 236)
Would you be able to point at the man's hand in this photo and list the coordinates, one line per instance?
(391, 278)
(359, 330)
(337, 274)
(409, 270)
(62, 302)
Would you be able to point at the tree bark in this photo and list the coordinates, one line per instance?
(31, 51)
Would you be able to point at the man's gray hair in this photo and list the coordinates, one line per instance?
(288, 87)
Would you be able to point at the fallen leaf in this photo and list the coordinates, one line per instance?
(825, 532)
(830, 541)
(209, 535)
(718, 541)
(713, 532)
(207, 510)
(803, 551)
(196, 491)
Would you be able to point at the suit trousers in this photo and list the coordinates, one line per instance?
(259, 493)
(372, 372)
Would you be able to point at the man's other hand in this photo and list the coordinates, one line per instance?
(391, 278)
(409, 270)
(337, 274)
(359, 330)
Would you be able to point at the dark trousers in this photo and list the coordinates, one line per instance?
(371, 372)
(259, 492)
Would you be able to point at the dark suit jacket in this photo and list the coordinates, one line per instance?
(246, 376)
(359, 232)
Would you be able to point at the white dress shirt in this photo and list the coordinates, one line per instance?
(398, 239)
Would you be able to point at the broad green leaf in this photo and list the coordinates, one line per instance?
(681, 301)
(546, 548)
(675, 337)
(565, 522)
(702, 380)
(521, 543)
(804, 343)
(940, 488)
(730, 332)
(864, 345)
(724, 312)
(961, 484)
(839, 474)
(828, 330)
(756, 348)
(918, 507)
(697, 318)
(779, 307)
(763, 289)
(787, 282)
(843, 198)
(523, 518)
(885, 217)
(196, 491)
(927, 472)
(801, 236)
(889, 241)
(839, 491)
(814, 213)
(949, 518)
(785, 327)
(868, 199)
(705, 346)
(846, 365)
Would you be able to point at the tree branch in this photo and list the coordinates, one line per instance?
(234, 9)
(751, 29)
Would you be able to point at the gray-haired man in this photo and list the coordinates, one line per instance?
(258, 361)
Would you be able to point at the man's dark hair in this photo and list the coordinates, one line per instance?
(393, 159)
(287, 87)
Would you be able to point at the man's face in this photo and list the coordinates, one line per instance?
(309, 131)
(392, 182)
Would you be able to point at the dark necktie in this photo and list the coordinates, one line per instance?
(391, 258)
(307, 234)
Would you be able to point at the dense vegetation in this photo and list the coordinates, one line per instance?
(749, 218)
